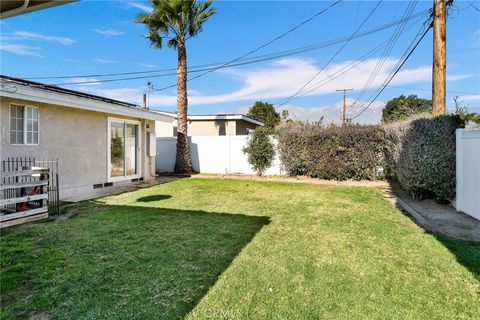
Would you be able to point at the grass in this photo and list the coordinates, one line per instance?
(232, 249)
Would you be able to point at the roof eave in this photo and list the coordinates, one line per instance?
(30, 94)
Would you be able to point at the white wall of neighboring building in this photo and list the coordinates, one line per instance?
(211, 154)
(468, 172)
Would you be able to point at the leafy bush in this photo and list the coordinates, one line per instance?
(354, 152)
(260, 150)
(403, 108)
(425, 156)
(265, 112)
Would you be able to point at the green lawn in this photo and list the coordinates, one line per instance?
(233, 249)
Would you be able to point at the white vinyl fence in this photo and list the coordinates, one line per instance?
(468, 172)
(211, 154)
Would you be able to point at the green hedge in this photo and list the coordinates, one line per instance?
(422, 156)
(354, 152)
(419, 153)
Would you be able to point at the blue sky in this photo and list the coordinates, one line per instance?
(96, 37)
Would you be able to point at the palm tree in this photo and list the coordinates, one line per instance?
(177, 21)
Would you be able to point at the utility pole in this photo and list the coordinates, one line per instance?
(439, 70)
(344, 109)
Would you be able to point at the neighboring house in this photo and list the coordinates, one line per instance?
(99, 142)
(209, 125)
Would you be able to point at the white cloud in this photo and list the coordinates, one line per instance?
(80, 80)
(476, 38)
(109, 32)
(20, 49)
(148, 65)
(472, 97)
(455, 77)
(21, 35)
(132, 95)
(99, 60)
(284, 77)
(140, 6)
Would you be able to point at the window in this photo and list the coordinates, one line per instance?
(23, 125)
(124, 148)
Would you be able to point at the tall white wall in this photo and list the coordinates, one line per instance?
(468, 172)
(211, 154)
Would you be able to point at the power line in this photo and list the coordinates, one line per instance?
(260, 47)
(394, 74)
(331, 59)
(430, 90)
(391, 44)
(345, 68)
(314, 46)
(348, 67)
(251, 60)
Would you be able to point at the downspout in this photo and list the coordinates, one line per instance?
(20, 9)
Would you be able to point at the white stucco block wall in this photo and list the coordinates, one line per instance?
(468, 172)
(211, 154)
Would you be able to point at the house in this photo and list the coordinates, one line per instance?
(208, 125)
(99, 142)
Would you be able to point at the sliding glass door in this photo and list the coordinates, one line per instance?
(124, 148)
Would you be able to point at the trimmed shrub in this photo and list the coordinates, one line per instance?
(395, 135)
(260, 150)
(353, 152)
(424, 154)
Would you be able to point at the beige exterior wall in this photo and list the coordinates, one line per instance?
(164, 129)
(78, 138)
(211, 127)
(207, 128)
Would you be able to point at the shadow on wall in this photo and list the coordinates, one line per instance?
(148, 263)
(194, 155)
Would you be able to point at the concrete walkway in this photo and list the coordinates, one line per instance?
(434, 217)
(120, 189)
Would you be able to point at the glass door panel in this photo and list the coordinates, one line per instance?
(131, 147)
(117, 150)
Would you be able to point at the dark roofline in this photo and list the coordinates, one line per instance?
(47, 87)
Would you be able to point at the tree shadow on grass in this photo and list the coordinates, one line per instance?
(121, 262)
(466, 252)
(155, 197)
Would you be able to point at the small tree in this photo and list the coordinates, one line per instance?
(260, 150)
(265, 112)
(403, 108)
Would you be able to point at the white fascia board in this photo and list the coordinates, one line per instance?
(65, 100)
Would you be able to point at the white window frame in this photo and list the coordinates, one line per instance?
(109, 150)
(25, 143)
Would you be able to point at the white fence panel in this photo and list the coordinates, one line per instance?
(211, 154)
(468, 172)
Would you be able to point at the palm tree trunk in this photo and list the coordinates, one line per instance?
(183, 163)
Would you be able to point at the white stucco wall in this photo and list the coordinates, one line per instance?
(211, 154)
(468, 172)
(78, 138)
